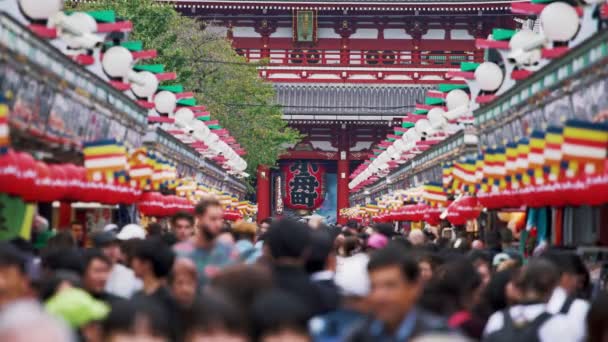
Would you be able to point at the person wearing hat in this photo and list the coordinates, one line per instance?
(79, 310)
(131, 231)
(122, 281)
(352, 280)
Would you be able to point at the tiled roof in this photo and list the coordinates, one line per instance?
(348, 99)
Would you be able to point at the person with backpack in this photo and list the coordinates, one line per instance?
(566, 298)
(530, 320)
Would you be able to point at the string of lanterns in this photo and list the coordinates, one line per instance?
(522, 52)
(82, 36)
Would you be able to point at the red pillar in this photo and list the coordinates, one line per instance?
(263, 192)
(65, 215)
(343, 179)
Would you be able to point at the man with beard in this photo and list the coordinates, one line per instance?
(208, 254)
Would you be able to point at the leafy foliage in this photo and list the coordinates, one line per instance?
(207, 65)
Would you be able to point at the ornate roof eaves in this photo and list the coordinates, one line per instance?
(352, 5)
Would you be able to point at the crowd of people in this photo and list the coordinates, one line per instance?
(288, 280)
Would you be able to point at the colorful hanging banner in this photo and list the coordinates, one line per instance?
(103, 158)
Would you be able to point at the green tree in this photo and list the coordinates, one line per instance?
(207, 65)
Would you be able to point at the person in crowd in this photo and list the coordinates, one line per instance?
(217, 318)
(121, 281)
(152, 262)
(494, 297)
(61, 240)
(395, 289)
(385, 229)
(477, 245)
(97, 268)
(350, 246)
(454, 292)
(316, 221)
(243, 283)
(427, 263)
(14, 281)
(287, 245)
(136, 320)
(564, 298)
(529, 320)
(352, 227)
(352, 281)
(244, 233)
(279, 316)
(80, 310)
(376, 241)
(154, 229)
(183, 283)
(226, 235)
(597, 319)
(78, 233)
(26, 321)
(60, 267)
(182, 225)
(264, 226)
(321, 266)
(417, 237)
(208, 254)
(482, 262)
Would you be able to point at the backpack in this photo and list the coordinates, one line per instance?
(567, 304)
(528, 332)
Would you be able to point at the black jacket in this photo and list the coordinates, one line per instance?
(297, 282)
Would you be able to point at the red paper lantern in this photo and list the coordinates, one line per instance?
(26, 177)
(597, 185)
(60, 180)
(8, 174)
(43, 190)
(432, 216)
(469, 207)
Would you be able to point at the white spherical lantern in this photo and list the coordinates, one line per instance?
(489, 76)
(411, 135)
(383, 158)
(437, 119)
(521, 54)
(184, 116)
(40, 9)
(423, 127)
(457, 98)
(390, 150)
(201, 131)
(146, 84)
(77, 30)
(165, 102)
(117, 62)
(559, 21)
(399, 145)
(212, 140)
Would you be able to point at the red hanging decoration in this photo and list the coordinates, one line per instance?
(304, 185)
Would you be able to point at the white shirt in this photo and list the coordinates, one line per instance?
(577, 313)
(557, 328)
(122, 282)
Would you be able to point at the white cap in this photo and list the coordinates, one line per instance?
(110, 227)
(352, 277)
(131, 231)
